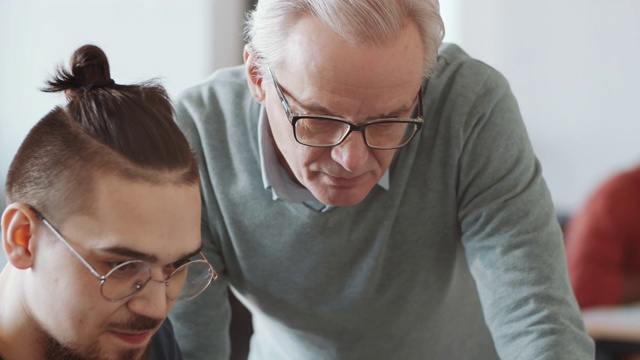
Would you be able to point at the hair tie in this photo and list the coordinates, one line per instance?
(99, 84)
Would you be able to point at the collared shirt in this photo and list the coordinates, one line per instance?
(276, 178)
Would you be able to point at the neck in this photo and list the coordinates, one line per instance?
(15, 321)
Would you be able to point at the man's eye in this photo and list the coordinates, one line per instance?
(117, 265)
(175, 265)
(125, 269)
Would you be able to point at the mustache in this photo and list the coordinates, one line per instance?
(137, 323)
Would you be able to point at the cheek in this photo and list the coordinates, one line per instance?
(281, 131)
(384, 158)
(299, 158)
(63, 311)
(284, 141)
(304, 160)
(71, 291)
(286, 144)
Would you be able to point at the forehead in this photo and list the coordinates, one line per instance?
(158, 220)
(321, 61)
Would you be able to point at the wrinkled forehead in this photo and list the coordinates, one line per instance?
(325, 60)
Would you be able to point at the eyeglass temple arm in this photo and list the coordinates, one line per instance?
(283, 100)
(215, 273)
(82, 260)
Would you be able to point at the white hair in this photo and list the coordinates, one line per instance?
(356, 21)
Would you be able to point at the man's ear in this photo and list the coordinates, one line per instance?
(18, 227)
(254, 80)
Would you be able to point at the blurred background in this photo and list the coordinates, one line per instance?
(573, 65)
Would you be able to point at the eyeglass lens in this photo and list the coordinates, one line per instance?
(184, 283)
(327, 132)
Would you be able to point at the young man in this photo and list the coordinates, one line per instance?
(102, 226)
(371, 194)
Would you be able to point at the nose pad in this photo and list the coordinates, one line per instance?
(352, 153)
(152, 300)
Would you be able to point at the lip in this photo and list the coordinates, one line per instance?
(136, 339)
(345, 182)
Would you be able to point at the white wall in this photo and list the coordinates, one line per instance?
(180, 42)
(575, 69)
(574, 66)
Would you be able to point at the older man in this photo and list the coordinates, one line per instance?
(371, 194)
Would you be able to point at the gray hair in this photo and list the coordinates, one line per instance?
(356, 21)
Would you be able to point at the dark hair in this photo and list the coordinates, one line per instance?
(105, 128)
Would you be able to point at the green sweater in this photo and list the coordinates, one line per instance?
(461, 258)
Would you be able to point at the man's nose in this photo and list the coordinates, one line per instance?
(151, 301)
(352, 153)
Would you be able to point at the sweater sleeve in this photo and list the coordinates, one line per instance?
(512, 240)
(597, 241)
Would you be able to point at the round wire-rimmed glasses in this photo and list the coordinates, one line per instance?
(329, 131)
(187, 278)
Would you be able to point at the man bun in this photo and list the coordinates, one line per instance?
(89, 70)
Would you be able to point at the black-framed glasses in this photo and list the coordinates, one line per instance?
(186, 278)
(329, 131)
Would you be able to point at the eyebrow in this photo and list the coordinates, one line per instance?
(152, 259)
(315, 108)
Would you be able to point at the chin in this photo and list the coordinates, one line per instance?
(341, 198)
(340, 192)
(56, 350)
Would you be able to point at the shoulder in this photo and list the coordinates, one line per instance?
(452, 59)
(164, 345)
(459, 74)
(224, 86)
(465, 94)
(219, 102)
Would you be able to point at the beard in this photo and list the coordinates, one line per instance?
(55, 350)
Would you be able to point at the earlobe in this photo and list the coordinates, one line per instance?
(18, 224)
(254, 79)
